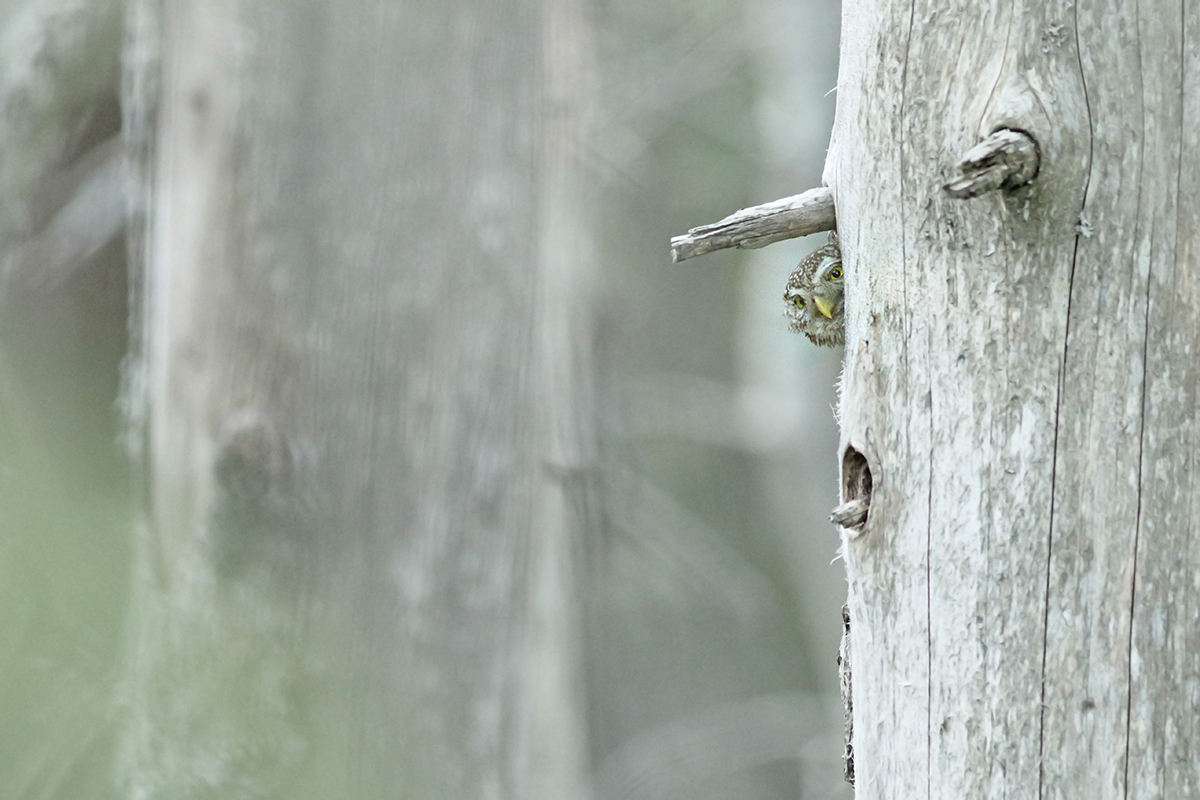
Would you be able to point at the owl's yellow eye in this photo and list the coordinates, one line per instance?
(836, 272)
(797, 301)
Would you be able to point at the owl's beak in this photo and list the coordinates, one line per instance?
(824, 306)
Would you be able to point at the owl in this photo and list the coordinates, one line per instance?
(815, 303)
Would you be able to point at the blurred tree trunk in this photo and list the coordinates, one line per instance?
(364, 377)
(1021, 377)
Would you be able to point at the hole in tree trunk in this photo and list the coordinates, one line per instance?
(856, 493)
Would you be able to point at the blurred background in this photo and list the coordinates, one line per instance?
(589, 486)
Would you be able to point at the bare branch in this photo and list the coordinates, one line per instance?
(852, 513)
(1005, 160)
(759, 226)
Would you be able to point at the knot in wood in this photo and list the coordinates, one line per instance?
(253, 455)
(1005, 160)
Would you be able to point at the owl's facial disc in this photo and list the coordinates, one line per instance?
(815, 297)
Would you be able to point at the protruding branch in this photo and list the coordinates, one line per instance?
(759, 226)
(852, 513)
(1005, 160)
(84, 207)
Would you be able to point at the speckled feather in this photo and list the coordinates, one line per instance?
(817, 281)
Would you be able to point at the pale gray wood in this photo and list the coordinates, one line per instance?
(365, 382)
(549, 755)
(1020, 376)
(759, 226)
(1164, 656)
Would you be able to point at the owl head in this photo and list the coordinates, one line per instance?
(814, 296)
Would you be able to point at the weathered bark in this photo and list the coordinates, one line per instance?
(1021, 378)
(356, 572)
(759, 226)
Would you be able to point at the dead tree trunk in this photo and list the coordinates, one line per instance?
(1021, 383)
(355, 574)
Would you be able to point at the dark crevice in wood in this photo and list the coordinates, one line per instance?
(1087, 178)
(846, 683)
(852, 514)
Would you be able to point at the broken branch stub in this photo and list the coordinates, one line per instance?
(1005, 160)
(758, 226)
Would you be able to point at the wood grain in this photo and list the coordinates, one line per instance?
(1020, 375)
(759, 226)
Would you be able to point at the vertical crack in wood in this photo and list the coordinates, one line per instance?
(929, 608)
(845, 681)
(906, 323)
(1137, 526)
(1087, 177)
